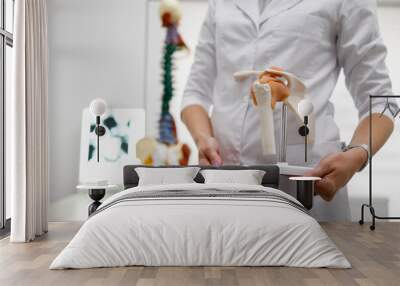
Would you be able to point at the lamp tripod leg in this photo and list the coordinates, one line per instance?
(305, 148)
(372, 211)
(306, 138)
(97, 131)
(98, 147)
(361, 221)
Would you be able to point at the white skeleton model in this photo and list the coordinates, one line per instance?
(297, 103)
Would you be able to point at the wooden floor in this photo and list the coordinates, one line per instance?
(375, 257)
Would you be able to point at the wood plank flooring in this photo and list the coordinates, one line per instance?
(375, 257)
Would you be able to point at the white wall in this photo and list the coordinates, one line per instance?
(96, 50)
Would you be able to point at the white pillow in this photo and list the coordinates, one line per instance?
(248, 177)
(166, 176)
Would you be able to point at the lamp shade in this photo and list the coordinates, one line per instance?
(98, 107)
(305, 107)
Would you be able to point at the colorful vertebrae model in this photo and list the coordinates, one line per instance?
(166, 150)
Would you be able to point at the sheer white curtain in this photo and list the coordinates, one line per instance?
(28, 122)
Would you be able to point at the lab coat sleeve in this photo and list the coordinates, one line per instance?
(362, 54)
(200, 85)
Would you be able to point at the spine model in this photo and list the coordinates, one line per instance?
(167, 128)
(170, 14)
(166, 149)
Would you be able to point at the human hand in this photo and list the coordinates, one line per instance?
(209, 152)
(336, 170)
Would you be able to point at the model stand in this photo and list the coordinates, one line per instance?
(370, 203)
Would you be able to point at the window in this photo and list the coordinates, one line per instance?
(6, 62)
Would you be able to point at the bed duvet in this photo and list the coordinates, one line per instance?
(201, 225)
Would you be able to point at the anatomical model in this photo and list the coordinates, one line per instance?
(272, 86)
(166, 150)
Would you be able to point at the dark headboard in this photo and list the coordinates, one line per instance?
(271, 178)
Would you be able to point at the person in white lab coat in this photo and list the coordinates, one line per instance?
(311, 39)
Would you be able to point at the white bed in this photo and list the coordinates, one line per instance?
(209, 230)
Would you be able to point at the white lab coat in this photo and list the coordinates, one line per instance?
(312, 39)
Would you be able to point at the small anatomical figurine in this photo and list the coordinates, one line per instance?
(166, 150)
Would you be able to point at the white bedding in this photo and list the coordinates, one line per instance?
(202, 231)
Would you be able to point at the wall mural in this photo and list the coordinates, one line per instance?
(166, 149)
